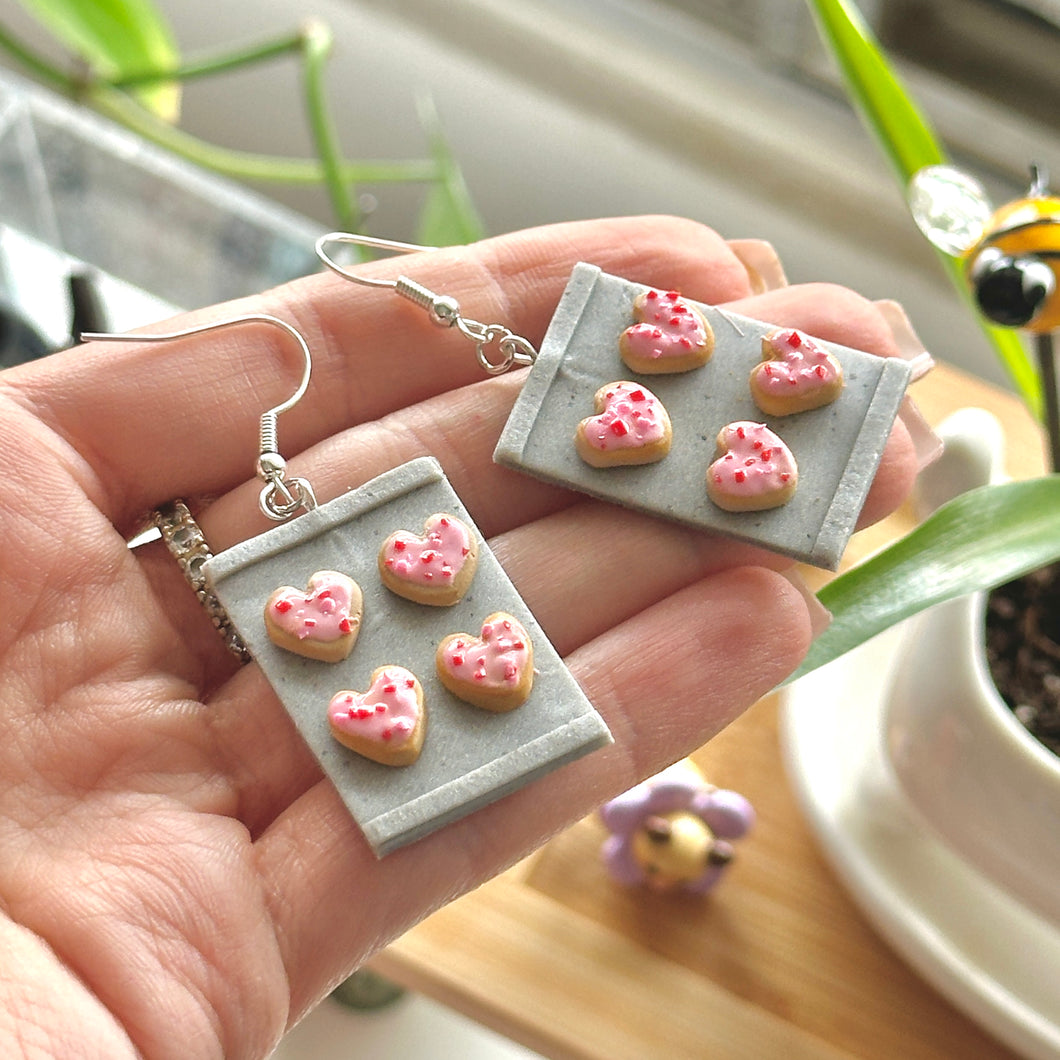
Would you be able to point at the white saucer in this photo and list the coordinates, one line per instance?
(994, 959)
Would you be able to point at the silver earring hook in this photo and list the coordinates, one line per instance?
(443, 310)
(281, 497)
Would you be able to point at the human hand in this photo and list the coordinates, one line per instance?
(177, 877)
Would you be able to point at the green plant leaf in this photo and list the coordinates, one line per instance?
(116, 38)
(449, 216)
(888, 109)
(977, 541)
(910, 144)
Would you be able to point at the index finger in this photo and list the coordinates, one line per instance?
(156, 421)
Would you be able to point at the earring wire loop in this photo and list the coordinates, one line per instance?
(282, 497)
(442, 310)
(372, 242)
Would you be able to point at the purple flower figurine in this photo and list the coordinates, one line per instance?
(673, 832)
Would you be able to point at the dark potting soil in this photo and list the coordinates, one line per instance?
(1023, 650)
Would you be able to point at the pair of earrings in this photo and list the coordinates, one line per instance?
(470, 760)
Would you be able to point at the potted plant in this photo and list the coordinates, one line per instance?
(977, 759)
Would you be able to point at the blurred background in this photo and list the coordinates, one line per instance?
(727, 111)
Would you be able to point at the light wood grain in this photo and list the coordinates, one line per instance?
(777, 963)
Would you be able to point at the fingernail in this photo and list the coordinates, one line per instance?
(820, 616)
(910, 348)
(926, 443)
(762, 263)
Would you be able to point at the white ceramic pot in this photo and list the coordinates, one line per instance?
(977, 777)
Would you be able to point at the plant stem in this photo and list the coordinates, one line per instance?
(244, 165)
(217, 64)
(35, 64)
(248, 165)
(316, 45)
(1047, 368)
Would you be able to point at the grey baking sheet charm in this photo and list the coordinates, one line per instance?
(470, 757)
(837, 447)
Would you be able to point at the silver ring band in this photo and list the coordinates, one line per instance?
(184, 539)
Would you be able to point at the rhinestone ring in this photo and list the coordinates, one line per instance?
(185, 541)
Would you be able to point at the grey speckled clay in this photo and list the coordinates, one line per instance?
(470, 757)
(837, 447)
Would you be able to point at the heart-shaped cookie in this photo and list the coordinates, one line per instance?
(435, 568)
(631, 426)
(755, 470)
(669, 336)
(495, 670)
(795, 375)
(387, 723)
(320, 623)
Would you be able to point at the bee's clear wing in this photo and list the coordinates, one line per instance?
(951, 208)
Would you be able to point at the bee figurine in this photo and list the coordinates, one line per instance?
(1011, 255)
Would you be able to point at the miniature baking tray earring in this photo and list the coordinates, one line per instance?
(325, 604)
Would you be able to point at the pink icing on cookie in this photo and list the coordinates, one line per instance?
(321, 613)
(496, 659)
(755, 471)
(797, 374)
(632, 416)
(387, 714)
(668, 327)
(436, 558)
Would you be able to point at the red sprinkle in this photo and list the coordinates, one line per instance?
(456, 659)
(652, 295)
(618, 428)
(795, 340)
(345, 626)
(399, 545)
(283, 606)
(739, 476)
(637, 395)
